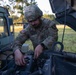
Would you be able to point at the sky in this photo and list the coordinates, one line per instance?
(44, 5)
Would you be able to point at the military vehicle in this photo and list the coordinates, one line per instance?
(6, 29)
(50, 62)
(6, 34)
(65, 12)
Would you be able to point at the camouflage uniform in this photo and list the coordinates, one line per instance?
(47, 34)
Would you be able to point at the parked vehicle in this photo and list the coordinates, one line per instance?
(6, 29)
(50, 62)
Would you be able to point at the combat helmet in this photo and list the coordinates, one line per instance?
(32, 12)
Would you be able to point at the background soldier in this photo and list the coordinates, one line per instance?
(42, 32)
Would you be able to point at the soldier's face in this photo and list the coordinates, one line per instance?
(35, 23)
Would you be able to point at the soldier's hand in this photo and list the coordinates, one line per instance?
(38, 51)
(19, 58)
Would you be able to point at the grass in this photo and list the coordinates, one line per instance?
(69, 40)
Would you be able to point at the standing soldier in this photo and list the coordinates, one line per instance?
(42, 32)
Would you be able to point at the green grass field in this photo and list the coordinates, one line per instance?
(69, 40)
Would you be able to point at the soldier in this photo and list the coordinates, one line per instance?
(42, 32)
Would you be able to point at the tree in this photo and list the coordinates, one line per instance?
(16, 5)
(7, 4)
(20, 4)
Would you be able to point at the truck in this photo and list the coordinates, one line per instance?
(6, 35)
(6, 29)
(65, 12)
(50, 62)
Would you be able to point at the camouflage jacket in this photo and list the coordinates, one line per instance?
(47, 34)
